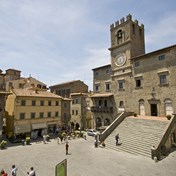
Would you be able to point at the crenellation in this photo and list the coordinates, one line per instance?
(129, 17)
(136, 21)
(116, 23)
(122, 20)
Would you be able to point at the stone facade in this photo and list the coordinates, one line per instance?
(140, 83)
(65, 90)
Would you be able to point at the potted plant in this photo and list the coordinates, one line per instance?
(168, 117)
(3, 144)
(28, 139)
(135, 114)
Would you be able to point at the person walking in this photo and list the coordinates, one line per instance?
(14, 170)
(117, 139)
(32, 172)
(66, 148)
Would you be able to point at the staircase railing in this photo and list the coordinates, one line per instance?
(113, 125)
(157, 150)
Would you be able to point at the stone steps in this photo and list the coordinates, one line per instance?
(137, 136)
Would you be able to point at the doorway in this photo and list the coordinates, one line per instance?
(154, 111)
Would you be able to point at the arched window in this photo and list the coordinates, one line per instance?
(119, 34)
(121, 104)
(168, 106)
(106, 122)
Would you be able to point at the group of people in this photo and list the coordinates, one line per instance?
(14, 171)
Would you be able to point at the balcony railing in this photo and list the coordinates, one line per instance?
(102, 109)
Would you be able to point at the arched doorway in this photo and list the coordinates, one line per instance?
(141, 107)
(168, 106)
(106, 122)
(98, 122)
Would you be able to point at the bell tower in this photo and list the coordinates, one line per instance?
(127, 41)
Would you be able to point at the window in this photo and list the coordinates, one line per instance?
(33, 102)
(49, 103)
(21, 85)
(133, 28)
(137, 64)
(76, 101)
(96, 73)
(72, 112)
(49, 114)
(41, 114)
(22, 115)
(119, 34)
(161, 57)
(121, 104)
(65, 105)
(23, 102)
(76, 112)
(121, 84)
(163, 79)
(32, 115)
(138, 83)
(41, 103)
(97, 87)
(56, 114)
(107, 87)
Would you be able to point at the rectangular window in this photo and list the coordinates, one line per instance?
(76, 101)
(41, 114)
(72, 112)
(41, 103)
(97, 87)
(137, 64)
(107, 87)
(138, 83)
(33, 102)
(65, 105)
(21, 85)
(57, 103)
(32, 115)
(23, 102)
(121, 84)
(163, 79)
(49, 103)
(161, 57)
(76, 112)
(56, 114)
(49, 114)
(22, 115)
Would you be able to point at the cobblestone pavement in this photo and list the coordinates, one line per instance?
(83, 160)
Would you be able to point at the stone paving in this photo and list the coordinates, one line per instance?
(84, 160)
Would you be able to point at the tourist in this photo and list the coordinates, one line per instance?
(3, 173)
(66, 147)
(32, 172)
(117, 139)
(14, 170)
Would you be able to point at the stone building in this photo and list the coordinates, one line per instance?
(65, 90)
(81, 115)
(139, 82)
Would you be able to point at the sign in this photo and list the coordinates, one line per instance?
(61, 168)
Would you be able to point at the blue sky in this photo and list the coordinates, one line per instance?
(57, 41)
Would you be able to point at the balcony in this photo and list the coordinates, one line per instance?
(102, 109)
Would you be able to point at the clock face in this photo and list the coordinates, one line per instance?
(120, 60)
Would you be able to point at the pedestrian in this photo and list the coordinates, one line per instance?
(66, 147)
(117, 139)
(14, 170)
(32, 172)
(3, 173)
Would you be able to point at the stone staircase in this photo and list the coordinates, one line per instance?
(137, 135)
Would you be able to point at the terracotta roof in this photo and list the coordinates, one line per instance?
(101, 95)
(34, 93)
(66, 83)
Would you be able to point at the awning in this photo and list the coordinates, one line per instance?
(39, 126)
(101, 95)
(22, 129)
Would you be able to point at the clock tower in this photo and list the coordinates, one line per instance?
(127, 41)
